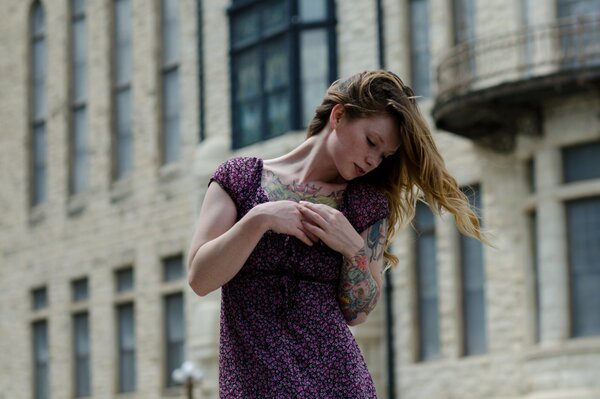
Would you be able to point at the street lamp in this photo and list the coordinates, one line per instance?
(188, 374)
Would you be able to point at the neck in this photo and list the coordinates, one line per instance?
(310, 161)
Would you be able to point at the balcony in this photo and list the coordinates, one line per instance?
(490, 89)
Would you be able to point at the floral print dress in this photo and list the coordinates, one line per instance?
(282, 333)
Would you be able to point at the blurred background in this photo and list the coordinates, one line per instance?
(114, 114)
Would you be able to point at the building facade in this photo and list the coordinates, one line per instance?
(115, 114)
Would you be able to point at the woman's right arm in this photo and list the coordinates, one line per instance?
(220, 245)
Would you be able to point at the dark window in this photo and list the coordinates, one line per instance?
(126, 348)
(581, 162)
(473, 287)
(124, 280)
(464, 21)
(173, 268)
(530, 170)
(39, 298)
(81, 354)
(419, 40)
(532, 218)
(171, 130)
(38, 104)
(583, 225)
(79, 125)
(79, 289)
(174, 335)
(122, 70)
(579, 33)
(427, 284)
(283, 60)
(40, 359)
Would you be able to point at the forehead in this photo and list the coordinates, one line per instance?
(385, 128)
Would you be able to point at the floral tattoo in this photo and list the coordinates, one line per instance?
(277, 190)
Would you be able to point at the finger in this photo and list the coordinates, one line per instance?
(313, 216)
(299, 234)
(313, 229)
(310, 235)
(321, 209)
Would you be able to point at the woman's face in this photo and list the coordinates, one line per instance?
(359, 145)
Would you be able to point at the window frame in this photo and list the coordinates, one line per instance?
(292, 31)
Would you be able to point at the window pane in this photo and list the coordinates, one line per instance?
(81, 345)
(248, 96)
(464, 21)
(277, 88)
(126, 330)
(572, 8)
(39, 298)
(312, 10)
(79, 60)
(39, 79)
(175, 334)
(245, 27)
(173, 268)
(581, 162)
(170, 31)
(79, 290)
(124, 134)
(40, 358)
(473, 287)
(80, 153)
(172, 139)
(275, 16)
(420, 68)
(38, 20)
(427, 284)
(124, 280)
(123, 41)
(583, 221)
(314, 55)
(39, 164)
(535, 266)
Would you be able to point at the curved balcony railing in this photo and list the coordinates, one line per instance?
(569, 45)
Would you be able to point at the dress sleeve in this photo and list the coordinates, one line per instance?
(367, 205)
(236, 176)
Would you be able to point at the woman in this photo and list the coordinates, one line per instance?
(298, 243)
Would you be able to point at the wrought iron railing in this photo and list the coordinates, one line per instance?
(569, 44)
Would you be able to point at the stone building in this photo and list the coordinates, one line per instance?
(114, 113)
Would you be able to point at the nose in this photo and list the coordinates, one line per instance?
(372, 159)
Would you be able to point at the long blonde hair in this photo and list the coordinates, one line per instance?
(417, 163)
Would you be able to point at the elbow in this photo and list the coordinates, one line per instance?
(194, 282)
(356, 319)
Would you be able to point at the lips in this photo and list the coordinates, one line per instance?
(359, 171)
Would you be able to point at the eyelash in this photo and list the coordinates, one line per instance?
(371, 144)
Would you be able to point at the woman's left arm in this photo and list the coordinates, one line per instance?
(361, 275)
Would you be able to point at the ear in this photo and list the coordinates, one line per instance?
(337, 112)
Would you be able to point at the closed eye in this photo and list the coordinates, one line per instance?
(370, 142)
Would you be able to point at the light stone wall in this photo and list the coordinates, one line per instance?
(152, 214)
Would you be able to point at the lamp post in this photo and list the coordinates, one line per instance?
(188, 374)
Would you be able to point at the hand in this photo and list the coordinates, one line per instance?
(331, 227)
(284, 217)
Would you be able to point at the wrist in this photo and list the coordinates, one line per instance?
(355, 249)
(258, 218)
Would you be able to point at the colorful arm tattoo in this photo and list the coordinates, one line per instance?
(358, 291)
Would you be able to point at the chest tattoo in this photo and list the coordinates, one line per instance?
(294, 191)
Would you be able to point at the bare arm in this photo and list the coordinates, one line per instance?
(220, 245)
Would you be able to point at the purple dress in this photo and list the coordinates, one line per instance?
(283, 334)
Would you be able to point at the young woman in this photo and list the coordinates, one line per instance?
(298, 243)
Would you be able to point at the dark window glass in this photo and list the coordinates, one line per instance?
(80, 290)
(81, 354)
(79, 148)
(122, 69)
(583, 224)
(579, 33)
(173, 268)
(581, 162)
(530, 170)
(420, 55)
(536, 273)
(174, 334)
(473, 287)
(39, 298)
(127, 347)
(124, 280)
(464, 21)
(282, 63)
(38, 104)
(427, 284)
(40, 359)
(171, 146)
